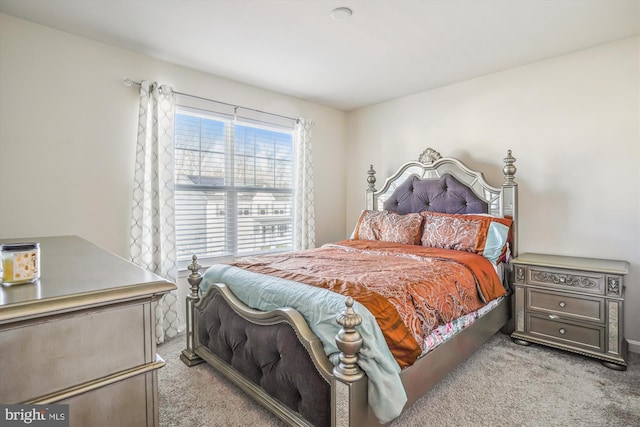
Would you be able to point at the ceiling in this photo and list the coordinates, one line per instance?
(385, 50)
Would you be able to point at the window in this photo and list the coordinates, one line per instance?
(234, 186)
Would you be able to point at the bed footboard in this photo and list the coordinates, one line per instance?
(275, 358)
(268, 356)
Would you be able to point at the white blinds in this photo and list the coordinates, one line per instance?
(234, 188)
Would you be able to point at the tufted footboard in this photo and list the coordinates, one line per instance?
(275, 358)
(271, 356)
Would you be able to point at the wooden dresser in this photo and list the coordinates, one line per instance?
(83, 335)
(572, 303)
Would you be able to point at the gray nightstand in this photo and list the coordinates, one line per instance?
(571, 303)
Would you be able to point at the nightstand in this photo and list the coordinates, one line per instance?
(571, 303)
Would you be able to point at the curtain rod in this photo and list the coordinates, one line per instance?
(129, 82)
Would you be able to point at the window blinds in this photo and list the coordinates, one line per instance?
(234, 182)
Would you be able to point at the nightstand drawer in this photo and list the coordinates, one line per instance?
(581, 281)
(572, 306)
(585, 336)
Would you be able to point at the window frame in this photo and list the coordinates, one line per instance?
(232, 191)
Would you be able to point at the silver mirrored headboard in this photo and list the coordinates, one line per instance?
(502, 201)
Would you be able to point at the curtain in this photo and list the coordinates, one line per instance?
(153, 241)
(304, 207)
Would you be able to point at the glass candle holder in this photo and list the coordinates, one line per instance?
(20, 262)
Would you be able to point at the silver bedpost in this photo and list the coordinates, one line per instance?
(188, 356)
(349, 384)
(370, 200)
(509, 198)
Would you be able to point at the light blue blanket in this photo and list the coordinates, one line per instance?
(385, 391)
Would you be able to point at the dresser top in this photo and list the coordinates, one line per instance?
(574, 263)
(75, 274)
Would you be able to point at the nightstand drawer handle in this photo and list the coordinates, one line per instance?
(562, 331)
(562, 279)
(562, 304)
(553, 316)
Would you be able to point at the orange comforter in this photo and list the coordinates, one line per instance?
(409, 289)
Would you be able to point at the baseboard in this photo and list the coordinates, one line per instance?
(634, 346)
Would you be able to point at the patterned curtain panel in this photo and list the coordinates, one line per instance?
(153, 242)
(304, 223)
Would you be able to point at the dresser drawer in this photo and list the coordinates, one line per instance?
(590, 337)
(133, 398)
(579, 281)
(78, 347)
(571, 306)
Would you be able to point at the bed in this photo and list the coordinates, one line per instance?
(336, 362)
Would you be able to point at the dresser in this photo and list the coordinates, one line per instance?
(571, 303)
(83, 335)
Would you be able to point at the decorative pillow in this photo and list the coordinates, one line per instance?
(480, 234)
(389, 227)
(497, 244)
(496, 236)
(450, 231)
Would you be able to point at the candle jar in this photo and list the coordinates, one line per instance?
(20, 262)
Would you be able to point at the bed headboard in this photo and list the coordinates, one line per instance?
(443, 184)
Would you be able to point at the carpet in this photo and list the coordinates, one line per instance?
(501, 384)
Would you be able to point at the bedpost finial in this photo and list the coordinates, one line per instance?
(195, 277)
(509, 169)
(349, 318)
(349, 342)
(429, 156)
(371, 179)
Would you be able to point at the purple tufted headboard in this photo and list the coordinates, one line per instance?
(446, 185)
(446, 195)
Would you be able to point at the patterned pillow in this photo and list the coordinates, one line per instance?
(450, 232)
(480, 234)
(389, 227)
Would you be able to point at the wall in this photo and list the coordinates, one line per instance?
(68, 126)
(68, 131)
(573, 123)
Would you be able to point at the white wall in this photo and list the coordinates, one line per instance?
(68, 127)
(573, 123)
(68, 132)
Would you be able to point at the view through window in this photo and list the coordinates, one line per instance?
(234, 187)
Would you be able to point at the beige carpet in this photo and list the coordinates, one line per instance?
(502, 384)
